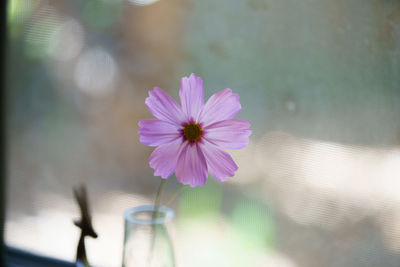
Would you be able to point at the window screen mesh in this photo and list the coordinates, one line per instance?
(319, 81)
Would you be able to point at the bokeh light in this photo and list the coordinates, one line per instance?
(143, 2)
(68, 40)
(95, 72)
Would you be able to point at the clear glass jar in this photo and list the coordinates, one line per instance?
(146, 239)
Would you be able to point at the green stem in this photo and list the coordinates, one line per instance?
(177, 192)
(158, 198)
(154, 216)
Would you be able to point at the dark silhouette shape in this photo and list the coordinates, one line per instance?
(85, 223)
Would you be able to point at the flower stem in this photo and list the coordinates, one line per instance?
(154, 216)
(158, 197)
(177, 192)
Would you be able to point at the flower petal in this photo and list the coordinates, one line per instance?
(219, 163)
(192, 96)
(221, 106)
(231, 134)
(191, 168)
(164, 107)
(164, 158)
(155, 132)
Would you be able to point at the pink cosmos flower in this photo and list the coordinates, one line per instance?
(191, 138)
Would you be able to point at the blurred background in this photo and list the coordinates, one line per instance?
(319, 81)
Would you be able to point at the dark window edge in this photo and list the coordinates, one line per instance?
(3, 44)
(19, 258)
(9, 256)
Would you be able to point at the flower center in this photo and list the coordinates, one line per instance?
(192, 132)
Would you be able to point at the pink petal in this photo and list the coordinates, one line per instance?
(231, 134)
(192, 96)
(164, 107)
(221, 106)
(164, 158)
(191, 168)
(155, 132)
(219, 163)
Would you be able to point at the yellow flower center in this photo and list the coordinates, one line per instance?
(192, 132)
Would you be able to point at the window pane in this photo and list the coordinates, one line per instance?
(318, 80)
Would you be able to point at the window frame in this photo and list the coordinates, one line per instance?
(3, 41)
(10, 256)
(19, 258)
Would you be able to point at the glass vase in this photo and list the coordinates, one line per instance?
(146, 239)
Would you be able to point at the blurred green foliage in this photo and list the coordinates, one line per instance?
(204, 202)
(41, 38)
(18, 12)
(254, 224)
(102, 14)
